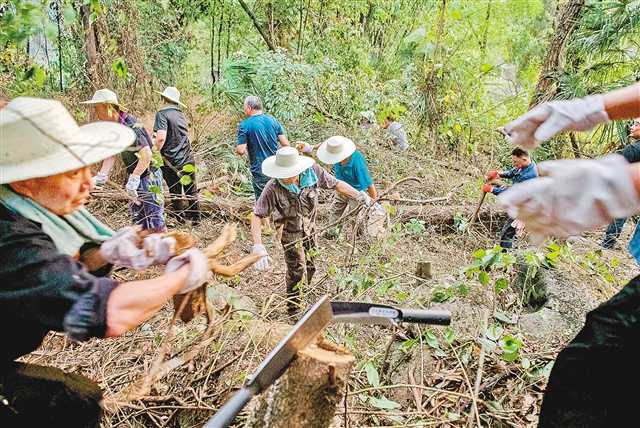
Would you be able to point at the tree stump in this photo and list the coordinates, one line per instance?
(423, 270)
(308, 393)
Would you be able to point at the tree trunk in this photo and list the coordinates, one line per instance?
(90, 46)
(256, 24)
(308, 393)
(568, 15)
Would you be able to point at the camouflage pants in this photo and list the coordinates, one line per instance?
(593, 378)
(300, 267)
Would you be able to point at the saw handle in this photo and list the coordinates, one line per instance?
(422, 316)
(231, 408)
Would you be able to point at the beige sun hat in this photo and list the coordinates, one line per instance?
(286, 163)
(104, 96)
(172, 94)
(39, 138)
(336, 149)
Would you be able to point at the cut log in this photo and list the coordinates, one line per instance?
(308, 393)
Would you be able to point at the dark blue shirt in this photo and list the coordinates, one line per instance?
(260, 133)
(517, 175)
(354, 172)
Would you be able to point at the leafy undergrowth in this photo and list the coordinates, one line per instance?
(489, 367)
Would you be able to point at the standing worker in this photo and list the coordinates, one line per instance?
(291, 195)
(591, 378)
(258, 137)
(172, 141)
(146, 207)
(523, 169)
(349, 166)
(55, 258)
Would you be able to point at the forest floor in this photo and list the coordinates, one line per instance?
(406, 377)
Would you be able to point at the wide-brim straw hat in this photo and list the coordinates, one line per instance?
(104, 96)
(336, 149)
(172, 94)
(39, 138)
(286, 163)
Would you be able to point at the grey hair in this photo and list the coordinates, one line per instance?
(253, 102)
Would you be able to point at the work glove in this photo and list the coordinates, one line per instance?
(100, 179)
(122, 250)
(199, 272)
(159, 248)
(132, 185)
(304, 147)
(265, 261)
(573, 196)
(364, 198)
(492, 175)
(547, 119)
(487, 188)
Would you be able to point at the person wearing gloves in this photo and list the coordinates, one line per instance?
(591, 377)
(396, 132)
(55, 258)
(172, 141)
(349, 166)
(631, 153)
(146, 206)
(291, 196)
(523, 169)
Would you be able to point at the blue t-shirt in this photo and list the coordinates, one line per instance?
(260, 134)
(354, 172)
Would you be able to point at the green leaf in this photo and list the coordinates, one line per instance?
(383, 403)
(501, 284)
(483, 277)
(119, 67)
(189, 168)
(449, 335)
(185, 180)
(456, 14)
(372, 375)
(485, 68)
(69, 14)
(431, 339)
(494, 332)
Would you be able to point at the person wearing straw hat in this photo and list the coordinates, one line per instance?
(291, 196)
(172, 141)
(348, 165)
(144, 182)
(55, 258)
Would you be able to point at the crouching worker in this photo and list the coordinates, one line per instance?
(55, 256)
(349, 166)
(291, 196)
(523, 169)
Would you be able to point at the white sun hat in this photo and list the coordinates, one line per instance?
(104, 96)
(336, 149)
(39, 138)
(286, 163)
(172, 94)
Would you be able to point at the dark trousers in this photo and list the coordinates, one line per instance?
(613, 232)
(593, 379)
(300, 266)
(186, 207)
(40, 396)
(507, 234)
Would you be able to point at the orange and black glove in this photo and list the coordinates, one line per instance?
(487, 188)
(492, 175)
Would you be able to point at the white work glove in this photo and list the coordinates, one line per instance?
(364, 199)
(122, 250)
(100, 179)
(199, 272)
(573, 196)
(305, 147)
(132, 185)
(265, 261)
(547, 119)
(159, 248)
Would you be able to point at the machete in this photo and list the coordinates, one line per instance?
(373, 313)
(275, 364)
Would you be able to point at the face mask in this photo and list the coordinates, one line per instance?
(307, 179)
(293, 187)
